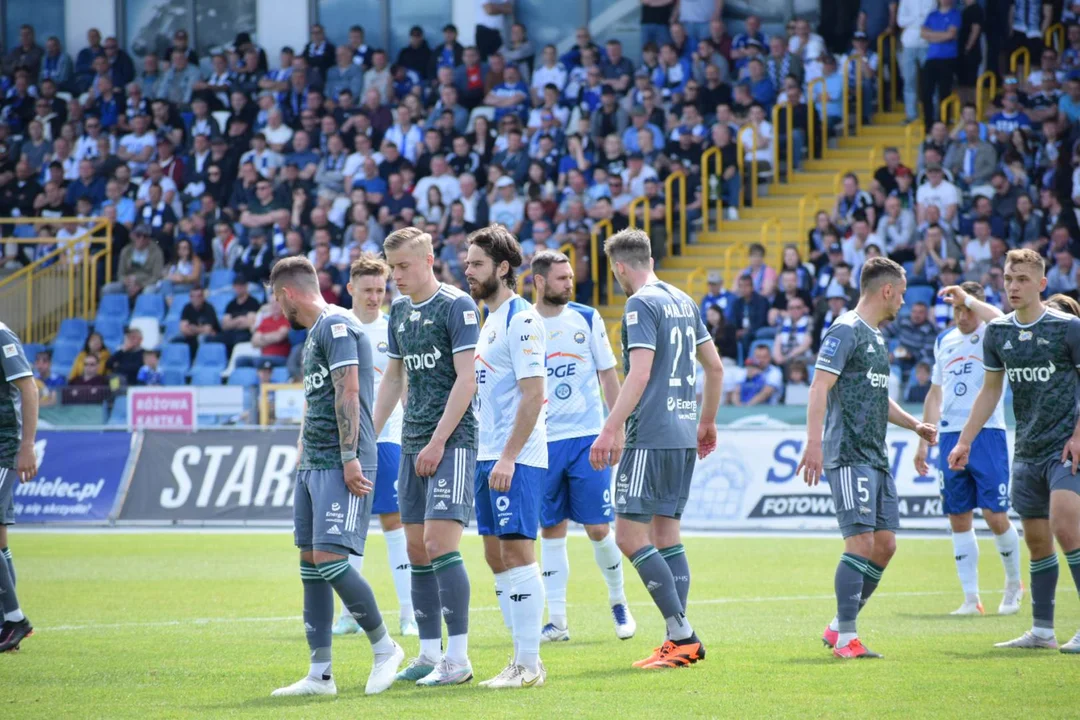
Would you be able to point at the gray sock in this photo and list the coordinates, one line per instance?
(1072, 557)
(318, 615)
(1044, 578)
(6, 552)
(871, 578)
(8, 600)
(658, 580)
(425, 600)
(675, 557)
(354, 592)
(454, 590)
(848, 584)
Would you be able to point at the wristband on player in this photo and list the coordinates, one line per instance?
(969, 301)
(348, 457)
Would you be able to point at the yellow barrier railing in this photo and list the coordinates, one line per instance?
(981, 100)
(789, 128)
(875, 157)
(729, 252)
(596, 247)
(749, 185)
(774, 250)
(640, 202)
(950, 103)
(707, 158)
(1054, 37)
(1020, 53)
(812, 117)
(566, 249)
(60, 284)
(811, 200)
(264, 398)
(891, 39)
(838, 182)
(670, 211)
(698, 273)
(845, 97)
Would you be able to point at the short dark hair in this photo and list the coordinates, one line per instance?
(543, 260)
(757, 248)
(974, 289)
(879, 271)
(296, 271)
(630, 246)
(500, 245)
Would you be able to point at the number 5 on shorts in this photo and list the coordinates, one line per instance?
(864, 492)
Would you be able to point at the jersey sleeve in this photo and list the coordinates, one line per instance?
(641, 324)
(836, 349)
(702, 332)
(603, 357)
(463, 324)
(392, 349)
(12, 357)
(991, 353)
(1072, 339)
(339, 343)
(528, 349)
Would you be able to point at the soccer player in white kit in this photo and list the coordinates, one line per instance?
(579, 361)
(367, 286)
(984, 482)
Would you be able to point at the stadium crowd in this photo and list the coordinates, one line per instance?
(212, 168)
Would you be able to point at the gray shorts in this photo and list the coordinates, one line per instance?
(8, 480)
(446, 495)
(654, 482)
(1032, 484)
(865, 499)
(326, 516)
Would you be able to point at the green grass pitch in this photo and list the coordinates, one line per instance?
(206, 625)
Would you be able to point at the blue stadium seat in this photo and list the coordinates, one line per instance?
(112, 331)
(175, 309)
(172, 329)
(220, 279)
(909, 268)
(114, 305)
(205, 375)
(176, 355)
(64, 354)
(244, 376)
(118, 415)
(919, 293)
(211, 354)
(219, 301)
(73, 329)
(763, 343)
(174, 376)
(765, 333)
(151, 305)
(279, 375)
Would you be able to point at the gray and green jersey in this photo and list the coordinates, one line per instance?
(664, 319)
(425, 337)
(335, 341)
(857, 414)
(1041, 361)
(15, 365)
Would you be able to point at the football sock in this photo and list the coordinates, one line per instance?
(656, 575)
(1044, 577)
(675, 557)
(400, 569)
(609, 558)
(556, 576)
(1073, 558)
(502, 594)
(9, 602)
(1008, 546)
(966, 552)
(454, 593)
(527, 611)
(871, 578)
(425, 597)
(6, 552)
(318, 619)
(357, 562)
(848, 583)
(355, 592)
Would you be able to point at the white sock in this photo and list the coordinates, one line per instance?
(845, 639)
(401, 569)
(15, 615)
(1008, 547)
(319, 670)
(609, 559)
(527, 611)
(502, 594)
(356, 561)
(1044, 633)
(457, 648)
(834, 624)
(431, 648)
(383, 647)
(678, 628)
(556, 576)
(966, 552)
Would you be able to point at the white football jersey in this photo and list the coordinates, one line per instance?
(511, 348)
(577, 348)
(377, 333)
(958, 369)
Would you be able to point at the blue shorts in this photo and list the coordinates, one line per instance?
(386, 479)
(984, 483)
(573, 489)
(512, 513)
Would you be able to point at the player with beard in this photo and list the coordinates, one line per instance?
(512, 460)
(579, 363)
(846, 419)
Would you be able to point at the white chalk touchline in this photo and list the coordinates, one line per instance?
(492, 608)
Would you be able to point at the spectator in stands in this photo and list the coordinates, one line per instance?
(94, 351)
(198, 320)
(141, 266)
(885, 176)
(764, 277)
(90, 374)
(149, 373)
(850, 201)
(1010, 117)
(1003, 202)
(1026, 224)
(796, 333)
(715, 295)
(178, 82)
(915, 336)
(941, 30)
(47, 380)
(896, 231)
(764, 382)
(790, 289)
(749, 311)
(973, 161)
(1063, 276)
(937, 192)
(185, 271)
(271, 337)
(916, 391)
(127, 361)
(722, 332)
(835, 305)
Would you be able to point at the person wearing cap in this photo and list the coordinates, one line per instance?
(416, 56)
(127, 361)
(636, 173)
(238, 320)
(941, 30)
(449, 53)
(836, 304)
(508, 209)
(141, 265)
(763, 383)
(938, 192)
(715, 294)
(867, 59)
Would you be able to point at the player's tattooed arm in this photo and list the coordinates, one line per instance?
(347, 406)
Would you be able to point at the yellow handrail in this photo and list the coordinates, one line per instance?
(729, 277)
(988, 77)
(692, 278)
(951, 102)
(1018, 54)
(838, 182)
(892, 70)
(789, 128)
(776, 256)
(812, 117)
(808, 198)
(641, 201)
(1054, 37)
(706, 186)
(876, 153)
(740, 148)
(670, 211)
(595, 248)
(845, 97)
